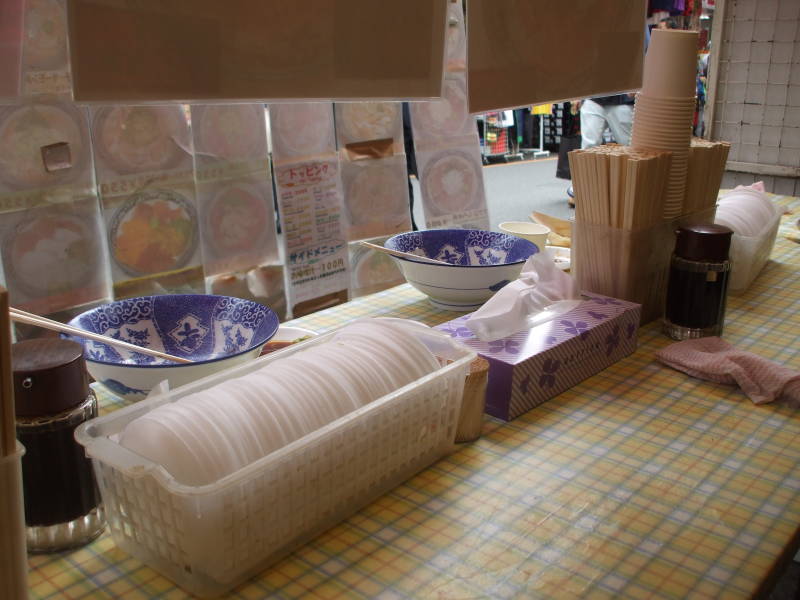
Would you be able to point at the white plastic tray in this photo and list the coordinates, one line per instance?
(210, 538)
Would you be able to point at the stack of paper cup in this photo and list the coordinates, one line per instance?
(664, 109)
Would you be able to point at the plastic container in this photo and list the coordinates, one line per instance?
(749, 254)
(629, 265)
(210, 538)
(13, 551)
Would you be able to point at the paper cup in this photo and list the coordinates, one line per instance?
(670, 64)
(534, 232)
(13, 550)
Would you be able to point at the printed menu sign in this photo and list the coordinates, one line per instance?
(310, 200)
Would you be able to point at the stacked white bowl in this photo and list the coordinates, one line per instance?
(205, 436)
(664, 108)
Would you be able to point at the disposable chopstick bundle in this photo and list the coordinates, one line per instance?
(706, 167)
(619, 186)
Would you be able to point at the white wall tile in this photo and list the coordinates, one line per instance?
(792, 117)
(733, 113)
(760, 52)
(753, 114)
(750, 134)
(763, 9)
(730, 133)
(789, 157)
(740, 51)
(748, 153)
(790, 137)
(735, 92)
(783, 186)
(779, 73)
(774, 115)
(758, 74)
(776, 95)
(794, 73)
(743, 31)
(782, 52)
(767, 155)
(788, 9)
(737, 72)
(763, 31)
(785, 30)
(733, 153)
(770, 136)
(793, 97)
(756, 93)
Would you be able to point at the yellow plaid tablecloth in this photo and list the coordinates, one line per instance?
(640, 482)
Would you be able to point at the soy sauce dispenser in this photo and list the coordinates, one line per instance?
(52, 397)
(698, 282)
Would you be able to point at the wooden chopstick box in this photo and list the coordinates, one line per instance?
(530, 367)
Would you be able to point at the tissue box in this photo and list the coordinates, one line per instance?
(532, 366)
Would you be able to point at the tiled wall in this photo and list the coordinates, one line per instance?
(757, 105)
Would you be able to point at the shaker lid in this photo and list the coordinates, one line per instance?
(705, 242)
(49, 376)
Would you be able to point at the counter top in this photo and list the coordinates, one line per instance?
(639, 482)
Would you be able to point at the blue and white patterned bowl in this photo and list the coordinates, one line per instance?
(481, 262)
(215, 332)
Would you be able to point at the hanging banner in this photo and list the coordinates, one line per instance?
(522, 52)
(206, 50)
(310, 202)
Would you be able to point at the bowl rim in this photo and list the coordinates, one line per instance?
(423, 231)
(256, 346)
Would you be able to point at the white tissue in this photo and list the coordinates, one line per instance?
(542, 292)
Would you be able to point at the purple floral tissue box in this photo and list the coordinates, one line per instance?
(532, 366)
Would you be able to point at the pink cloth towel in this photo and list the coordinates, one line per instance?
(714, 359)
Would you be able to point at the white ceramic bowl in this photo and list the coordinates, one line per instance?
(481, 262)
(215, 332)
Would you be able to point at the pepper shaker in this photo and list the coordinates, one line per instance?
(52, 397)
(698, 282)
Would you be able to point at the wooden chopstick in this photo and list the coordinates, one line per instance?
(8, 426)
(21, 316)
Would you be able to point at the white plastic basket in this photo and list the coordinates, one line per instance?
(210, 538)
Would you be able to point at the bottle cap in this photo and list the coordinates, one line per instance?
(708, 242)
(49, 376)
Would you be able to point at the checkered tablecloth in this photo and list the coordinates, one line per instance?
(639, 482)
